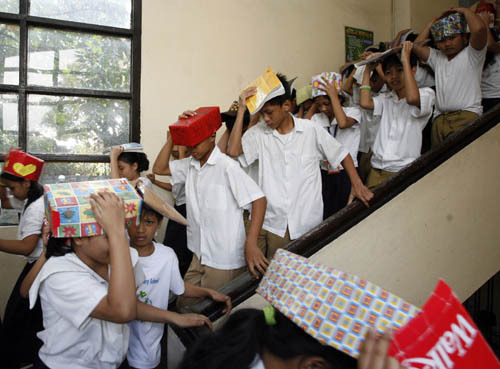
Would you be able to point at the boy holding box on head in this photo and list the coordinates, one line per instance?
(404, 113)
(457, 66)
(217, 190)
(288, 151)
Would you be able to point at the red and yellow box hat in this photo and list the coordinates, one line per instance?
(21, 164)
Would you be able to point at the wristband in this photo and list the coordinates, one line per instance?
(367, 88)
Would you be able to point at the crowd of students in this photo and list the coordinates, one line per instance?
(272, 177)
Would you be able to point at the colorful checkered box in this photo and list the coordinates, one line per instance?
(448, 26)
(68, 208)
(318, 79)
(334, 307)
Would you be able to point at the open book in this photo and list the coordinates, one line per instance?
(268, 87)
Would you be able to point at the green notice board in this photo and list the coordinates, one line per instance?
(356, 41)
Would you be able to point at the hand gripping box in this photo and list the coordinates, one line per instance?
(193, 130)
(68, 208)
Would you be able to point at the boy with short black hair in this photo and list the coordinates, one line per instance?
(457, 66)
(217, 190)
(288, 151)
(404, 113)
(161, 270)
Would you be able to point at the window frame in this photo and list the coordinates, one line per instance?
(24, 21)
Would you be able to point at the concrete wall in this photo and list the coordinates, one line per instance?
(423, 11)
(444, 226)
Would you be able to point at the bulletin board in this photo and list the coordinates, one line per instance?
(356, 41)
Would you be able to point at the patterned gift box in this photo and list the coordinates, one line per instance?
(449, 26)
(334, 307)
(68, 208)
(317, 80)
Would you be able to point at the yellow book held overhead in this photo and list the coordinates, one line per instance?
(268, 87)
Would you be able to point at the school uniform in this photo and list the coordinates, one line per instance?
(399, 138)
(289, 173)
(337, 182)
(215, 197)
(162, 276)
(69, 291)
(20, 323)
(458, 90)
(490, 84)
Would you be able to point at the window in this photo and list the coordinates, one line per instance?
(69, 81)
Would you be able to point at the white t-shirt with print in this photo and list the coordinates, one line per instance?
(161, 271)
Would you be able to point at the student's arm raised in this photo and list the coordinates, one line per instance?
(411, 87)
(349, 82)
(343, 120)
(365, 96)
(119, 305)
(423, 51)
(373, 353)
(478, 35)
(161, 165)
(165, 185)
(493, 45)
(113, 161)
(234, 148)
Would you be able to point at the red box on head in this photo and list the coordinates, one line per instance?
(193, 130)
(21, 164)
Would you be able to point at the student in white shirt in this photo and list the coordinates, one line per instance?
(490, 79)
(87, 292)
(343, 124)
(161, 270)
(288, 151)
(404, 113)
(217, 190)
(457, 67)
(21, 324)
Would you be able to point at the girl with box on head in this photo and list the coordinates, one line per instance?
(87, 292)
(20, 175)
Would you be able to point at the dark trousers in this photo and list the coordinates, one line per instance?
(335, 190)
(176, 238)
(20, 327)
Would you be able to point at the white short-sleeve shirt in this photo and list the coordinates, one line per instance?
(215, 197)
(69, 291)
(458, 81)
(161, 271)
(289, 173)
(349, 137)
(490, 81)
(399, 138)
(31, 223)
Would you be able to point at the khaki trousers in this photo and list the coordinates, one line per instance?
(378, 176)
(448, 123)
(204, 276)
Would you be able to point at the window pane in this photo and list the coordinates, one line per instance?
(9, 123)
(9, 6)
(9, 54)
(113, 13)
(76, 125)
(78, 60)
(73, 172)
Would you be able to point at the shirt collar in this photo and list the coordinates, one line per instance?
(212, 159)
(298, 126)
